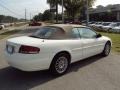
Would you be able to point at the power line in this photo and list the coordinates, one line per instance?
(9, 10)
(2, 1)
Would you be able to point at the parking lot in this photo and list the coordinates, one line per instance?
(113, 27)
(95, 73)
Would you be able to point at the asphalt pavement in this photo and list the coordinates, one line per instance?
(95, 73)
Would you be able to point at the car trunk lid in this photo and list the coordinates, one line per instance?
(13, 45)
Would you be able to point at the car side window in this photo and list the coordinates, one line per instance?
(86, 33)
(75, 33)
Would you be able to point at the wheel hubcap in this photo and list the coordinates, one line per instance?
(61, 64)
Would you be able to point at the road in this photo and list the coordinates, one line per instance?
(13, 28)
(95, 73)
(22, 27)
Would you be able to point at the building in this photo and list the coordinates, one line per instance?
(108, 13)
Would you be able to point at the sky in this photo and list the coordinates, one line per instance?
(17, 7)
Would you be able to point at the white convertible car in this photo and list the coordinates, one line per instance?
(55, 47)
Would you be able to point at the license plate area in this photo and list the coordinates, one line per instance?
(10, 49)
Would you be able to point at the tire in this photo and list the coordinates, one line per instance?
(107, 49)
(110, 30)
(0, 28)
(60, 64)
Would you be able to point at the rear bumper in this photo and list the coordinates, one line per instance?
(28, 62)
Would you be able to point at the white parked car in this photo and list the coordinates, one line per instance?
(108, 26)
(2, 26)
(55, 47)
(99, 25)
(93, 24)
(116, 28)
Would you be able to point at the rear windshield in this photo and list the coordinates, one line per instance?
(49, 33)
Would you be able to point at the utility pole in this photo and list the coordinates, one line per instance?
(25, 15)
(87, 13)
(11, 20)
(30, 16)
(62, 12)
(56, 12)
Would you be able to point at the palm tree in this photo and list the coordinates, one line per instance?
(72, 7)
(54, 3)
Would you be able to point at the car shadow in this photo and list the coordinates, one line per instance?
(13, 79)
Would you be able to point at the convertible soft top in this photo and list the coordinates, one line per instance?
(66, 27)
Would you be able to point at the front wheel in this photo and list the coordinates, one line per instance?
(60, 64)
(107, 49)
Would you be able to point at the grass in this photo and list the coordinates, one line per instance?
(115, 40)
(6, 34)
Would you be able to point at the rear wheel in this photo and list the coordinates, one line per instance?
(60, 64)
(107, 49)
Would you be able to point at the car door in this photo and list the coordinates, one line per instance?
(91, 44)
(76, 46)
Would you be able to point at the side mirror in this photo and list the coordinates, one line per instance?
(98, 35)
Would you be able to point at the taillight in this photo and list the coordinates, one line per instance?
(28, 49)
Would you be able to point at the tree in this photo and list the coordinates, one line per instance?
(72, 6)
(35, 18)
(38, 17)
(10, 19)
(55, 3)
(47, 15)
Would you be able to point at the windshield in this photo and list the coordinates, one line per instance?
(49, 33)
(118, 24)
(106, 24)
(114, 24)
